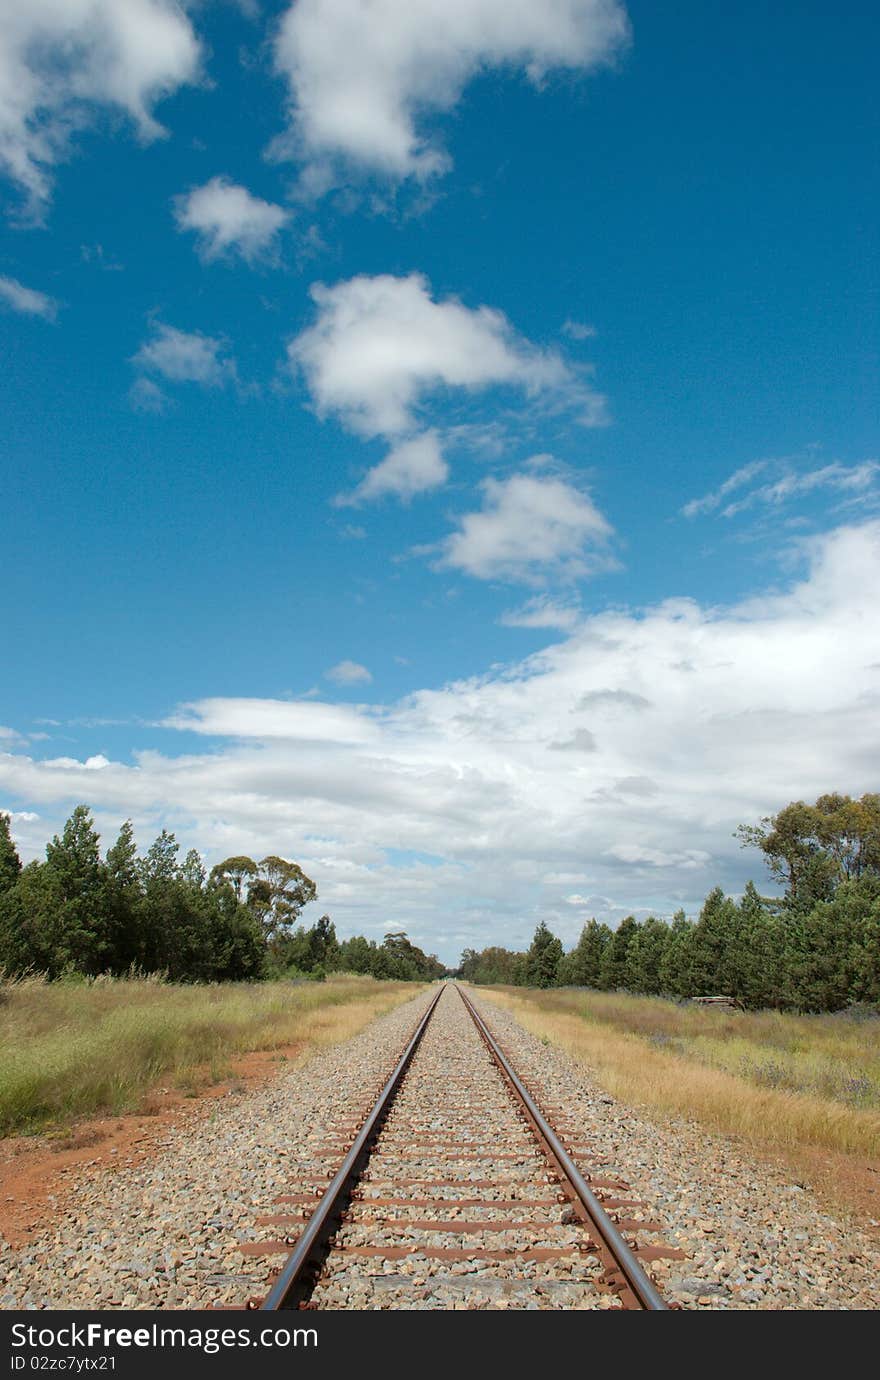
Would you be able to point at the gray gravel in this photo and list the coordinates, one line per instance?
(454, 1121)
(753, 1239)
(168, 1233)
(165, 1234)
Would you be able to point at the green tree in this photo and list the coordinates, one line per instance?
(581, 967)
(80, 929)
(323, 944)
(160, 863)
(10, 862)
(867, 954)
(123, 894)
(753, 961)
(193, 869)
(28, 915)
(543, 958)
(235, 872)
(675, 966)
(356, 954)
(614, 969)
(493, 965)
(276, 889)
(828, 951)
(713, 942)
(645, 956)
(810, 850)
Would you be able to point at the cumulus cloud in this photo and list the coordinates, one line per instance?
(499, 826)
(348, 673)
(61, 58)
(411, 467)
(27, 300)
(382, 349)
(530, 526)
(380, 344)
(185, 357)
(789, 483)
(228, 219)
(360, 76)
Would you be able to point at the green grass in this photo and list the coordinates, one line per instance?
(74, 1049)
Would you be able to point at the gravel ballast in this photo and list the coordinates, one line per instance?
(169, 1233)
(752, 1238)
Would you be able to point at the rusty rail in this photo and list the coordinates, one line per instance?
(632, 1276)
(624, 1274)
(293, 1285)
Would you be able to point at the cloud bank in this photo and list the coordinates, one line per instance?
(621, 758)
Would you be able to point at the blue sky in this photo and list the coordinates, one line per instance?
(440, 442)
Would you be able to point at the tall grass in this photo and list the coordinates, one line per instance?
(773, 1079)
(71, 1049)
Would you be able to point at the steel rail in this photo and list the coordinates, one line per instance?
(292, 1285)
(636, 1279)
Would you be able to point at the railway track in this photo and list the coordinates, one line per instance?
(454, 1191)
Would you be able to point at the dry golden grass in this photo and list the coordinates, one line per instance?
(73, 1049)
(683, 1072)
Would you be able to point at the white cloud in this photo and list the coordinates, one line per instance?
(96, 763)
(27, 300)
(542, 612)
(382, 348)
(381, 344)
(185, 357)
(360, 76)
(60, 58)
(846, 478)
(228, 218)
(271, 720)
(637, 854)
(790, 483)
(411, 467)
(530, 526)
(729, 713)
(709, 502)
(348, 673)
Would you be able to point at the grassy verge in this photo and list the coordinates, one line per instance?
(69, 1050)
(774, 1080)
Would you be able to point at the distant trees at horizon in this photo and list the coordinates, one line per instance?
(80, 913)
(816, 948)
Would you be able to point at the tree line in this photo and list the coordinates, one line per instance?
(79, 912)
(814, 948)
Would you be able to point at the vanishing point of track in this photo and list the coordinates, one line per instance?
(456, 1149)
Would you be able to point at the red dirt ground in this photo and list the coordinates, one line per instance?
(38, 1172)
